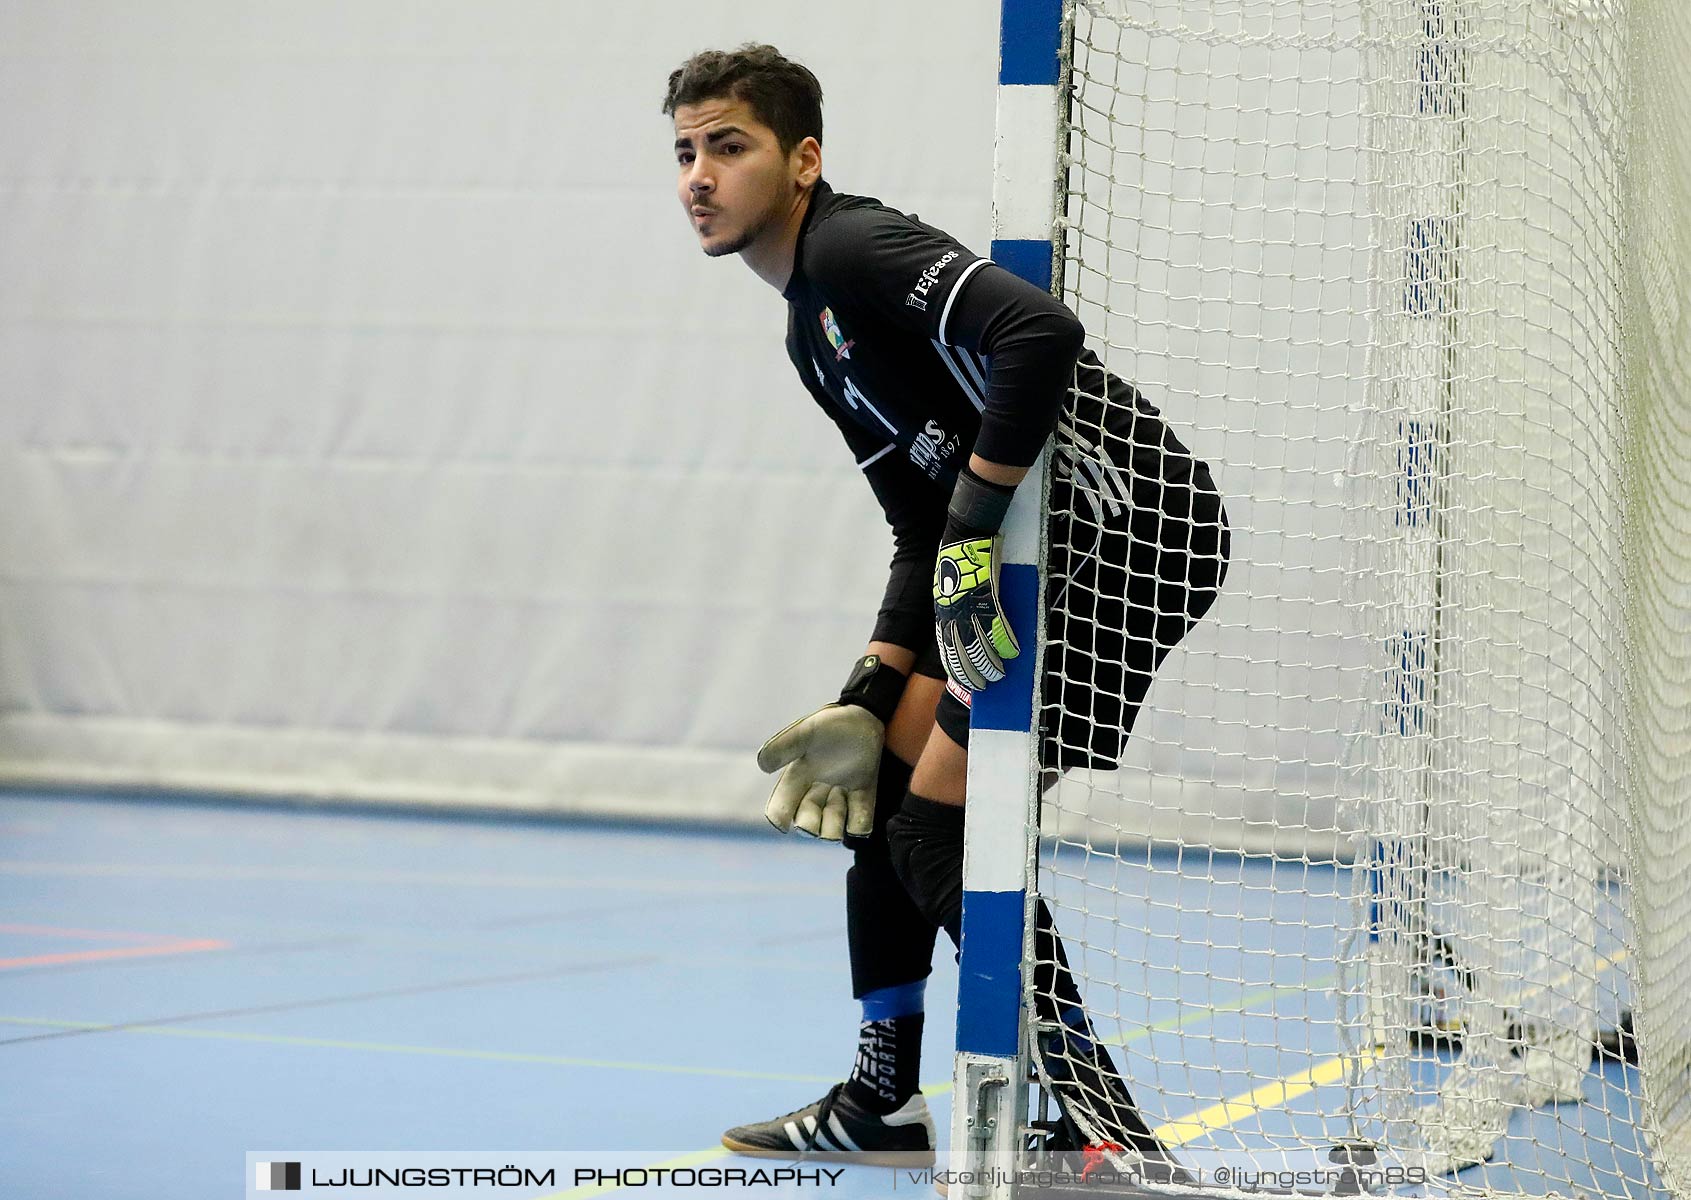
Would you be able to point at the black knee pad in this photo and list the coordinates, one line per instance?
(926, 839)
(891, 941)
(951, 714)
(891, 782)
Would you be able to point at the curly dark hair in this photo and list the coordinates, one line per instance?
(784, 94)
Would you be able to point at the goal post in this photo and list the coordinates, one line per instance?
(1403, 820)
(993, 1040)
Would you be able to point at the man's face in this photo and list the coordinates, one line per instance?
(734, 181)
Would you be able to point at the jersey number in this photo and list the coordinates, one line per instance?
(852, 394)
(855, 397)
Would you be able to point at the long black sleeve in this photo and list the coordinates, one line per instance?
(923, 282)
(921, 351)
(1033, 341)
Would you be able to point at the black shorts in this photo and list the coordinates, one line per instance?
(1120, 593)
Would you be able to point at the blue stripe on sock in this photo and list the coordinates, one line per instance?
(884, 1004)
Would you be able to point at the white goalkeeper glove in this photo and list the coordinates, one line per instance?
(829, 762)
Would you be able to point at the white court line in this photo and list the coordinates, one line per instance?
(560, 882)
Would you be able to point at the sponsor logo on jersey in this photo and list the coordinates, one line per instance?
(958, 692)
(836, 339)
(918, 297)
(932, 448)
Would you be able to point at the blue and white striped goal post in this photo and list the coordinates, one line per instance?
(990, 1091)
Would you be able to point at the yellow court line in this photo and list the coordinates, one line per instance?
(938, 1088)
(1179, 1132)
(548, 1060)
(1174, 1133)
(1206, 1011)
(1172, 1024)
(1283, 1091)
(1269, 1095)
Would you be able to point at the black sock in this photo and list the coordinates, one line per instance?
(889, 1058)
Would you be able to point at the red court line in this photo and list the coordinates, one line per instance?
(108, 935)
(40, 960)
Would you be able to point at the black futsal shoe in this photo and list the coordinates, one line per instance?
(836, 1124)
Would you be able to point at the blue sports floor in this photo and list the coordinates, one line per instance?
(182, 983)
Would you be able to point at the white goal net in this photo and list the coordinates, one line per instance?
(1397, 852)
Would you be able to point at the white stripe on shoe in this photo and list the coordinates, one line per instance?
(839, 1133)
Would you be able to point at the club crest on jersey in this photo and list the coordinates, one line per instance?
(836, 339)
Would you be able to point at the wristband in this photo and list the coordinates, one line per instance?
(977, 507)
(875, 686)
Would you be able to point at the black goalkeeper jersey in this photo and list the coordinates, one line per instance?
(923, 352)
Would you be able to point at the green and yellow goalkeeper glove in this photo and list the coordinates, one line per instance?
(974, 635)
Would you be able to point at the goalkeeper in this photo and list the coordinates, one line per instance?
(946, 375)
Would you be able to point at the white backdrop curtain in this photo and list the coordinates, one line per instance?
(372, 428)
(370, 424)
